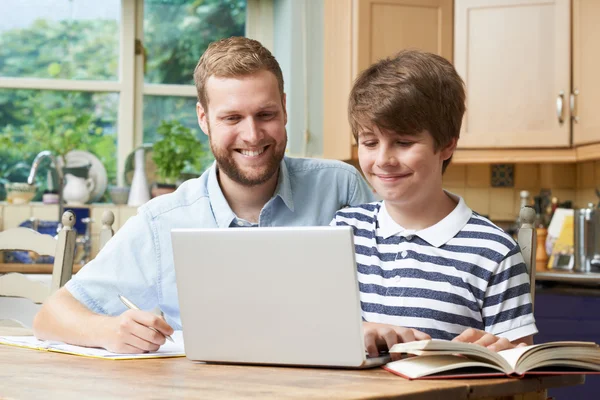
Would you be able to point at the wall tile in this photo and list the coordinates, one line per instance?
(125, 212)
(48, 212)
(527, 176)
(478, 175)
(502, 204)
(95, 245)
(478, 200)
(585, 196)
(459, 191)
(14, 215)
(558, 176)
(455, 176)
(585, 175)
(502, 175)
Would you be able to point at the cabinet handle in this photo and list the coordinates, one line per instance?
(559, 107)
(574, 117)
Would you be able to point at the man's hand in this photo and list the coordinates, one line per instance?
(383, 336)
(488, 340)
(130, 332)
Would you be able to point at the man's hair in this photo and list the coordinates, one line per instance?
(408, 93)
(234, 57)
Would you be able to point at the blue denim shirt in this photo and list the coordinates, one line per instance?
(138, 261)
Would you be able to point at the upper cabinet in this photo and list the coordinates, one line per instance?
(530, 68)
(357, 33)
(514, 56)
(586, 78)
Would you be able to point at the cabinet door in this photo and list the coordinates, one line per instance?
(586, 79)
(514, 56)
(386, 27)
(359, 32)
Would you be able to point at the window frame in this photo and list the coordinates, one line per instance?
(130, 85)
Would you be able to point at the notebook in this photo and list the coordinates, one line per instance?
(276, 295)
(31, 342)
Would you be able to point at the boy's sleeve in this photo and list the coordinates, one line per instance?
(507, 308)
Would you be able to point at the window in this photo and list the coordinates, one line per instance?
(101, 76)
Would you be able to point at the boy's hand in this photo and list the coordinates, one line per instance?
(383, 336)
(486, 339)
(130, 332)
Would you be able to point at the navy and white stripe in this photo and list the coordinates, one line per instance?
(462, 272)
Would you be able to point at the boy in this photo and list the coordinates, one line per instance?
(426, 262)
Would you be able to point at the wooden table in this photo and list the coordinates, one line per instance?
(31, 374)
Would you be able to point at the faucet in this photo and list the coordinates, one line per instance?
(34, 168)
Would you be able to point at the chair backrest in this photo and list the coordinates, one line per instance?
(62, 249)
(527, 239)
(108, 218)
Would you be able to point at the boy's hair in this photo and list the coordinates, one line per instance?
(234, 57)
(408, 93)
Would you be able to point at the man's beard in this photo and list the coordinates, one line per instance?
(228, 166)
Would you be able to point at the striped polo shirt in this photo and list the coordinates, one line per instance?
(463, 272)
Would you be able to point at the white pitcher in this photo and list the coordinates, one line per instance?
(77, 190)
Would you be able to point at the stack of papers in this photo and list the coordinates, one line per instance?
(31, 342)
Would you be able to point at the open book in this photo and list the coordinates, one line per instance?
(440, 359)
(168, 349)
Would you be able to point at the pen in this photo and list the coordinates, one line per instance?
(132, 306)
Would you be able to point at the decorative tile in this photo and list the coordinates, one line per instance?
(503, 175)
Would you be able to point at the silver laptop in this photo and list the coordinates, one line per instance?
(284, 296)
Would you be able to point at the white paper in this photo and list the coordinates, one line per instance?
(166, 350)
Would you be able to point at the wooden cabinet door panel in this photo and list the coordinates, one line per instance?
(357, 33)
(388, 26)
(514, 56)
(586, 78)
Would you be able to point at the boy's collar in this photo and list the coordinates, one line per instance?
(436, 235)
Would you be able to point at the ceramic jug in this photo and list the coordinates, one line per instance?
(77, 190)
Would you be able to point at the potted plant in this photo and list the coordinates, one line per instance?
(178, 149)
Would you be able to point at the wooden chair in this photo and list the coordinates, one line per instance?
(108, 218)
(15, 284)
(527, 240)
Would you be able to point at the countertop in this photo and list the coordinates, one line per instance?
(567, 276)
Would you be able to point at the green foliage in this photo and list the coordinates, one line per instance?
(72, 49)
(176, 33)
(59, 122)
(176, 150)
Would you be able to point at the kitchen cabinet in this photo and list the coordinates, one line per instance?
(586, 79)
(514, 56)
(357, 33)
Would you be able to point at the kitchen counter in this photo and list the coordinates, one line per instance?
(571, 277)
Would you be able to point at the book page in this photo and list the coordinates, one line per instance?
(418, 367)
(444, 347)
(566, 349)
(31, 342)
